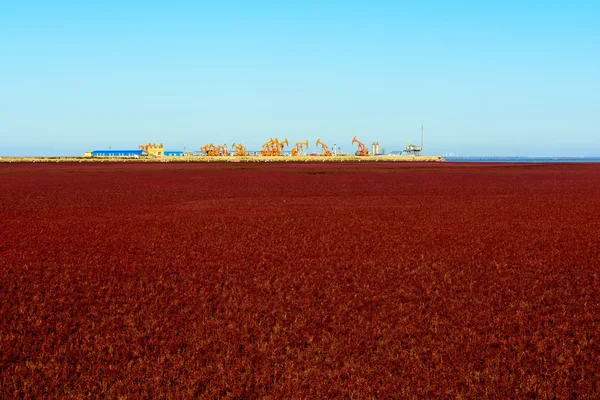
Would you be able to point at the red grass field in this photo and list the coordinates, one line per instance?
(299, 281)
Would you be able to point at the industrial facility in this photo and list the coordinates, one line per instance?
(145, 150)
(115, 153)
(412, 149)
(273, 147)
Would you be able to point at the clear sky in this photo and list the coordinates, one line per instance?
(485, 78)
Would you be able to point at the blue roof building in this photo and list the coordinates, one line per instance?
(116, 153)
(173, 153)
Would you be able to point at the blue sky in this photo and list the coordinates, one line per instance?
(485, 78)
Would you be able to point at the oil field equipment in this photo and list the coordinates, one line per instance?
(210, 150)
(324, 148)
(239, 149)
(273, 147)
(268, 148)
(223, 151)
(282, 145)
(362, 149)
(298, 150)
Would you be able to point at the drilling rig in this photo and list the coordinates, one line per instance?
(324, 148)
(298, 150)
(273, 147)
(281, 146)
(222, 150)
(362, 149)
(240, 149)
(269, 148)
(210, 150)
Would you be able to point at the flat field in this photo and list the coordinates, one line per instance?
(299, 280)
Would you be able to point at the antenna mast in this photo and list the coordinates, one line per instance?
(421, 135)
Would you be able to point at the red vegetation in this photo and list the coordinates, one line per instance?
(297, 281)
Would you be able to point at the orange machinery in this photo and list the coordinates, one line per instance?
(281, 145)
(362, 149)
(210, 150)
(324, 148)
(240, 149)
(147, 146)
(268, 148)
(273, 147)
(223, 150)
(298, 150)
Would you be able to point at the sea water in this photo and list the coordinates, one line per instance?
(524, 159)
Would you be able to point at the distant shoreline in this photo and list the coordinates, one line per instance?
(200, 159)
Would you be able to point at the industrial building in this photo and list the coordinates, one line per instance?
(156, 152)
(272, 148)
(151, 152)
(117, 153)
